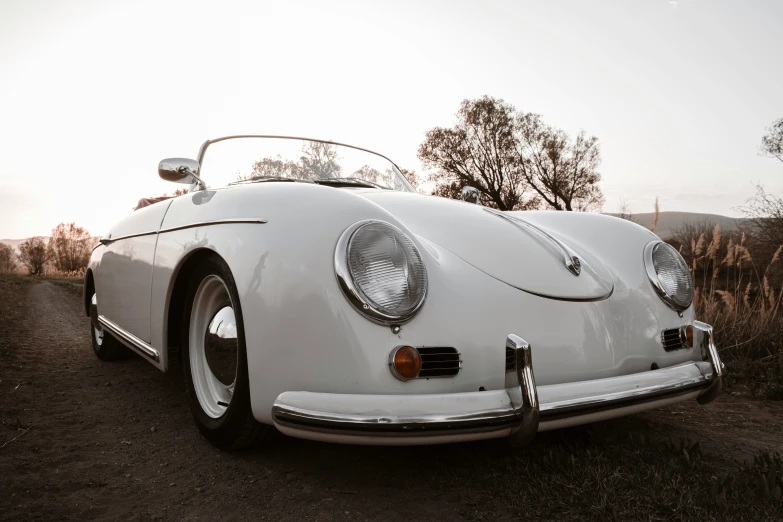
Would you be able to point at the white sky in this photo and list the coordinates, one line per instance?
(94, 93)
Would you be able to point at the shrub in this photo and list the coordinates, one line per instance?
(32, 253)
(738, 300)
(7, 259)
(69, 247)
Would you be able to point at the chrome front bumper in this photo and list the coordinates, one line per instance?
(519, 411)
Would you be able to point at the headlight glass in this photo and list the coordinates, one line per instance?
(669, 274)
(381, 271)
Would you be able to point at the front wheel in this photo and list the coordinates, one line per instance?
(214, 359)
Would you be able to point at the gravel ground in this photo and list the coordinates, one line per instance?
(82, 439)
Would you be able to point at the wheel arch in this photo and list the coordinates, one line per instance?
(176, 300)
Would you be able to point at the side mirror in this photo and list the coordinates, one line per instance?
(470, 195)
(180, 170)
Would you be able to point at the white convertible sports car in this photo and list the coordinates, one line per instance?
(317, 292)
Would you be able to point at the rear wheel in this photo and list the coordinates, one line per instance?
(214, 359)
(106, 347)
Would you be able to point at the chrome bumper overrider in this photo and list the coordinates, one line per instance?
(519, 411)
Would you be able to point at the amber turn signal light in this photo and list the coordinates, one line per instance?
(686, 335)
(405, 362)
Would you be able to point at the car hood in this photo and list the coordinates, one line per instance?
(502, 245)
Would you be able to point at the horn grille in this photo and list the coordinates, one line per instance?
(439, 362)
(672, 339)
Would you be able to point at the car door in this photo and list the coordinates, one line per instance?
(124, 281)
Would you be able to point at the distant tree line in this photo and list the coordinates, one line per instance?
(68, 252)
(317, 161)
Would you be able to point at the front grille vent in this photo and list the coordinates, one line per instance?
(439, 362)
(510, 365)
(672, 339)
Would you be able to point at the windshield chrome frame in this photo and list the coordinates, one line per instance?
(204, 146)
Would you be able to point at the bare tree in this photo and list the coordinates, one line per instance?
(514, 159)
(411, 176)
(7, 259)
(69, 247)
(479, 151)
(32, 253)
(564, 173)
(625, 211)
(772, 142)
(318, 160)
(274, 167)
(764, 213)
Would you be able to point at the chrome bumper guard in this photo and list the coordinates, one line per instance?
(518, 411)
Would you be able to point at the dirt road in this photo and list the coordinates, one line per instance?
(84, 439)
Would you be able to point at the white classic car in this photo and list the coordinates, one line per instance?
(317, 292)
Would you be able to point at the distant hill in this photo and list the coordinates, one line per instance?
(16, 242)
(668, 222)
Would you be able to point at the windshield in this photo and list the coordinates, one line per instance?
(263, 159)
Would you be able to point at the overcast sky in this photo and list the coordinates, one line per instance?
(94, 93)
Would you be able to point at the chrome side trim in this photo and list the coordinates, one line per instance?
(109, 240)
(215, 222)
(570, 259)
(129, 339)
(652, 275)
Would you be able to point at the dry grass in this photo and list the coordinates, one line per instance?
(737, 298)
(53, 273)
(601, 473)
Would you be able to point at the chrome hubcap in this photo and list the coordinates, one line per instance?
(214, 347)
(98, 333)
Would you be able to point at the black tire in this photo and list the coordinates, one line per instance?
(236, 428)
(109, 348)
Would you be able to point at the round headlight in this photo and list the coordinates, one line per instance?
(381, 271)
(669, 275)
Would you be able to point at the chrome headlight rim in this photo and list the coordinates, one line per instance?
(350, 289)
(655, 280)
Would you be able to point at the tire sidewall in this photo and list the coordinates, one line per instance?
(110, 349)
(222, 430)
